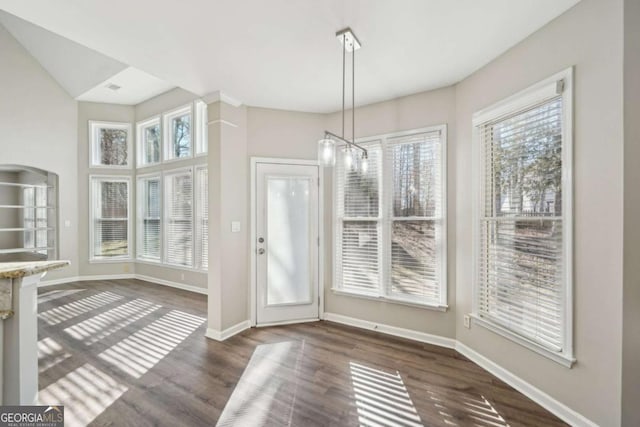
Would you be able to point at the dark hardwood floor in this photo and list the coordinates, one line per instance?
(127, 352)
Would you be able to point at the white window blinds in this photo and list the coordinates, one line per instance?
(202, 219)
(390, 220)
(179, 218)
(522, 280)
(149, 206)
(109, 217)
(415, 218)
(358, 222)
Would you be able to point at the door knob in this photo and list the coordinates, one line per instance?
(260, 251)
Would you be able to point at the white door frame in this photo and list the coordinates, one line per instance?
(253, 307)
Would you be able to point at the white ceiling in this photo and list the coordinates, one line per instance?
(76, 68)
(135, 87)
(283, 53)
(83, 72)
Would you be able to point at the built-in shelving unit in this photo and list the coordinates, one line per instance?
(28, 214)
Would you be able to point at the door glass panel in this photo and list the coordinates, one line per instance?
(289, 276)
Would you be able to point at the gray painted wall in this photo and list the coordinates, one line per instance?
(153, 107)
(411, 112)
(631, 296)
(589, 37)
(38, 124)
(107, 113)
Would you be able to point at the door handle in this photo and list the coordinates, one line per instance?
(260, 251)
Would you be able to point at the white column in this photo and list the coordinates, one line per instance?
(20, 342)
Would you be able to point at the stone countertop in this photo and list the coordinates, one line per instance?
(15, 270)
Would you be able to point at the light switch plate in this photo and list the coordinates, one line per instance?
(235, 226)
(67, 223)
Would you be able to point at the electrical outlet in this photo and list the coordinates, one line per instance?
(182, 276)
(467, 321)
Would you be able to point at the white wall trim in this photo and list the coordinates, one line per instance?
(191, 288)
(63, 280)
(552, 405)
(541, 398)
(392, 330)
(229, 332)
(221, 97)
(150, 279)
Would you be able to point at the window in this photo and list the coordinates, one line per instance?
(177, 133)
(523, 262)
(110, 144)
(179, 217)
(202, 218)
(149, 207)
(35, 221)
(109, 230)
(390, 220)
(148, 137)
(202, 127)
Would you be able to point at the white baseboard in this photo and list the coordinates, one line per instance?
(229, 332)
(45, 283)
(155, 280)
(562, 411)
(163, 282)
(557, 408)
(391, 330)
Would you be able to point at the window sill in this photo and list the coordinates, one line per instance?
(148, 165)
(177, 159)
(112, 167)
(110, 260)
(563, 359)
(375, 297)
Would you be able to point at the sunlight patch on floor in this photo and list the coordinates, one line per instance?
(104, 324)
(85, 393)
(270, 376)
(74, 309)
(50, 353)
(53, 295)
(139, 352)
(482, 412)
(382, 398)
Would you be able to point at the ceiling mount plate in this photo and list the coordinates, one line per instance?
(350, 40)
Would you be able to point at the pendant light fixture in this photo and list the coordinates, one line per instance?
(327, 145)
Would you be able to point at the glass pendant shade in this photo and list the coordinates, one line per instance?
(327, 152)
(364, 164)
(348, 158)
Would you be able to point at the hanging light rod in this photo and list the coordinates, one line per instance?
(332, 135)
(327, 145)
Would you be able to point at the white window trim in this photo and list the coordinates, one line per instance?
(165, 216)
(201, 128)
(139, 217)
(384, 194)
(140, 126)
(196, 219)
(94, 141)
(539, 92)
(166, 133)
(130, 244)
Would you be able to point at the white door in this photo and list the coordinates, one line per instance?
(286, 242)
